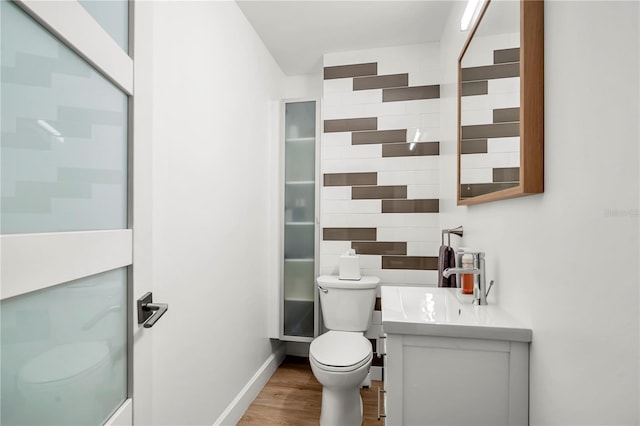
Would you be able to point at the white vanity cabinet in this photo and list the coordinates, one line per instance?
(449, 363)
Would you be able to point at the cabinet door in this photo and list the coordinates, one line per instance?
(447, 381)
(299, 307)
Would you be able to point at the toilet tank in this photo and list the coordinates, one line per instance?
(347, 305)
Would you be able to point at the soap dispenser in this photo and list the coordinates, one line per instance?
(467, 279)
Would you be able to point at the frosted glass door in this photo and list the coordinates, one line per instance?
(63, 221)
(299, 220)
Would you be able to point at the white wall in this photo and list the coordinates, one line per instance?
(214, 88)
(566, 261)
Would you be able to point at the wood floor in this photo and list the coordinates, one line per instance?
(293, 397)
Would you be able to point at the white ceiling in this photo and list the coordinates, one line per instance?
(298, 33)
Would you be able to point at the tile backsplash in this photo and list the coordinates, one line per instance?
(380, 162)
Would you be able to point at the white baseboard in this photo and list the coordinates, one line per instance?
(234, 411)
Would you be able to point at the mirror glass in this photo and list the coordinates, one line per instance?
(490, 103)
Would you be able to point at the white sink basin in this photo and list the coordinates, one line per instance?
(431, 311)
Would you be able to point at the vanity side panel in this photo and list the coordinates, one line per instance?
(393, 380)
(519, 384)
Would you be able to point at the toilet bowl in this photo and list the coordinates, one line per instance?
(61, 383)
(341, 357)
(340, 360)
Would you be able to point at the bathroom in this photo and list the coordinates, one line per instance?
(206, 213)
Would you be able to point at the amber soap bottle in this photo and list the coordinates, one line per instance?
(467, 279)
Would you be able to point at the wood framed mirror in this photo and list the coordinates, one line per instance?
(501, 103)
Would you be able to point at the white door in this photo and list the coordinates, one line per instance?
(68, 283)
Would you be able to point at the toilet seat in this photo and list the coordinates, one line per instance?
(340, 351)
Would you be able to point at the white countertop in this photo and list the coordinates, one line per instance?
(432, 311)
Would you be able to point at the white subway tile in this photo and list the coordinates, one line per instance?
(385, 109)
(332, 99)
(479, 175)
(431, 119)
(421, 106)
(404, 233)
(337, 85)
(352, 151)
(405, 177)
(369, 261)
(392, 122)
(496, 159)
(335, 139)
(415, 248)
(350, 206)
(423, 134)
(335, 193)
(404, 277)
(361, 97)
(331, 220)
(427, 77)
(475, 103)
(328, 264)
(342, 111)
(505, 86)
(349, 165)
(423, 191)
(475, 117)
(334, 247)
(503, 144)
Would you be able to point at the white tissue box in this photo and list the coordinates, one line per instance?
(349, 267)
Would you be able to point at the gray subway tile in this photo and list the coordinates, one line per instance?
(410, 262)
(379, 247)
(411, 93)
(381, 81)
(473, 88)
(497, 130)
(505, 115)
(504, 56)
(350, 124)
(349, 234)
(409, 149)
(352, 70)
(473, 146)
(468, 190)
(490, 72)
(379, 192)
(411, 206)
(349, 179)
(378, 136)
(506, 174)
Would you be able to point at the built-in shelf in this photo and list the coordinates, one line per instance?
(300, 182)
(299, 312)
(301, 140)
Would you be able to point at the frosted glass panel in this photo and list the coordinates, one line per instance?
(64, 136)
(113, 16)
(299, 212)
(64, 352)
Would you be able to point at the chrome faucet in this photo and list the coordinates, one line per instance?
(480, 291)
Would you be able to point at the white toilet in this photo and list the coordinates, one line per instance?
(340, 358)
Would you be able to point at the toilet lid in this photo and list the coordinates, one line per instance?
(340, 348)
(64, 361)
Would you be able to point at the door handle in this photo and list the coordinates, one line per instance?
(148, 312)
